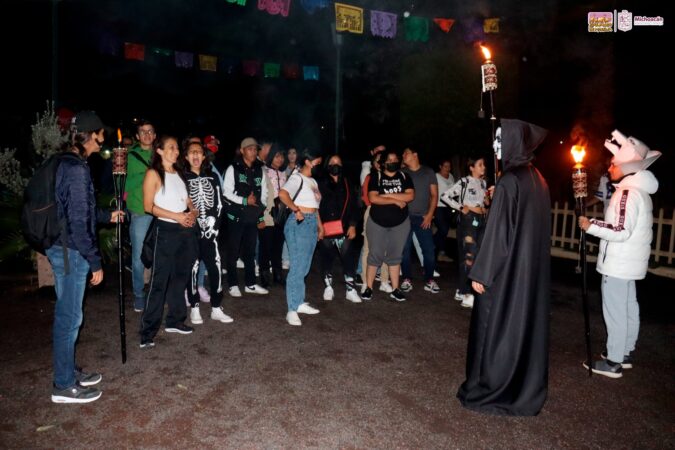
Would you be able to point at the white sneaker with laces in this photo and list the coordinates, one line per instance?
(328, 293)
(436, 274)
(353, 296)
(285, 265)
(203, 294)
(432, 287)
(293, 319)
(240, 264)
(220, 316)
(256, 289)
(459, 297)
(385, 286)
(305, 308)
(196, 316)
(234, 291)
(467, 301)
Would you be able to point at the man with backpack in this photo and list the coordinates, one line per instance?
(74, 253)
(138, 162)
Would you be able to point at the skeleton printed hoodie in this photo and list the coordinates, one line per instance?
(204, 191)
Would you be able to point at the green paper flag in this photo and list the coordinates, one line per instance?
(272, 70)
(416, 28)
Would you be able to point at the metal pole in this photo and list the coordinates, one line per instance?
(338, 89)
(584, 290)
(493, 121)
(119, 183)
(55, 52)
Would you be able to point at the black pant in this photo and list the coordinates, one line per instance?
(443, 218)
(241, 237)
(469, 236)
(210, 254)
(174, 251)
(270, 248)
(348, 252)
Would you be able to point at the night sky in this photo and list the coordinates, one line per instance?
(552, 72)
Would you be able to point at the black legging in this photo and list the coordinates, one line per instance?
(348, 253)
(469, 237)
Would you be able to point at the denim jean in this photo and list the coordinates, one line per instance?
(137, 231)
(301, 238)
(68, 311)
(426, 240)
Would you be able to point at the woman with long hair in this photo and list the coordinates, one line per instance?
(165, 196)
(470, 197)
(302, 230)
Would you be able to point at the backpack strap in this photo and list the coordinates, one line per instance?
(140, 159)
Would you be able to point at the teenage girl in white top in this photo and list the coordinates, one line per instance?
(165, 196)
(302, 230)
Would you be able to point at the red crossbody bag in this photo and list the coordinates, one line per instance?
(334, 228)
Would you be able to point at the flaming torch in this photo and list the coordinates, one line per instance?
(580, 189)
(489, 82)
(120, 177)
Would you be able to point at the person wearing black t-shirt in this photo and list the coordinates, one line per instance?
(389, 192)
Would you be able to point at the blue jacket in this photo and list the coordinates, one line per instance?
(76, 203)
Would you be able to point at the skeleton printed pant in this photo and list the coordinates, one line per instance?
(209, 253)
(470, 234)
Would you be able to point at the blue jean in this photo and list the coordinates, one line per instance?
(426, 240)
(301, 238)
(68, 311)
(137, 231)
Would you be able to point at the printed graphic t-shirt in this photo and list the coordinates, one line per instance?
(389, 215)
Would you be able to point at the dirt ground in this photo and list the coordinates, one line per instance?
(371, 375)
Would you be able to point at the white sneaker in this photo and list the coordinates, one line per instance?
(224, 272)
(257, 270)
(293, 319)
(328, 293)
(385, 286)
(305, 308)
(203, 294)
(240, 264)
(467, 302)
(285, 265)
(219, 315)
(459, 297)
(234, 291)
(353, 296)
(436, 274)
(256, 289)
(195, 316)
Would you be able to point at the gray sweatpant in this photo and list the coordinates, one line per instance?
(622, 316)
(385, 245)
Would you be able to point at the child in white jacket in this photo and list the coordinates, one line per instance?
(625, 247)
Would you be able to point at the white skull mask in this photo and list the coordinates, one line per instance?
(497, 144)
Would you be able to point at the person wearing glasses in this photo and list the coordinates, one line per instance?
(138, 162)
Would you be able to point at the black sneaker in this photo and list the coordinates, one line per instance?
(627, 362)
(75, 394)
(147, 343)
(87, 379)
(397, 295)
(358, 280)
(367, 294)
(606, 368)
(180, 328)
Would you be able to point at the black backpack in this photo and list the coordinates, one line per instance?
(40, 223)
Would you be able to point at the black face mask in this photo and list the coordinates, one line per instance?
(335, 169)
(392, 166)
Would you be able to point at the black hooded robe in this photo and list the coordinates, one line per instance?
(507, 356)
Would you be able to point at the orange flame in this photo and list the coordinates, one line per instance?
(578, 153)
(119, 136)
(486, 52)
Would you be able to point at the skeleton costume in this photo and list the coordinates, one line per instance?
(204, 190)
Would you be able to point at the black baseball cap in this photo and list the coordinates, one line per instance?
(88, 121)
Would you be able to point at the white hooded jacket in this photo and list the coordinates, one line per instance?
(626, 232)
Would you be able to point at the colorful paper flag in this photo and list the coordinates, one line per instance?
(275, 7)
(184, 60)
(310, 73)
(271, 70)
(416, 28)
(250, 68)
(238, 2)
(134, 51)
(291, 71)
(444, 24)
(208, 62)
(348, 18)
(491, 25)
(312, 5)
(383, 24)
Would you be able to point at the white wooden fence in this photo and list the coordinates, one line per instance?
(565, 238)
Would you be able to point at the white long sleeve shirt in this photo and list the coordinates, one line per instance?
(467, 191)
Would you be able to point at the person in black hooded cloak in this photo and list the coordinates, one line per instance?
(507, 355)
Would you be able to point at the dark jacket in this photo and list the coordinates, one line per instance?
(239, 181)
(77, 205)
(333, 201)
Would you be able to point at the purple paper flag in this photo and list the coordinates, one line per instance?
(383, 24)
(185, 60)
